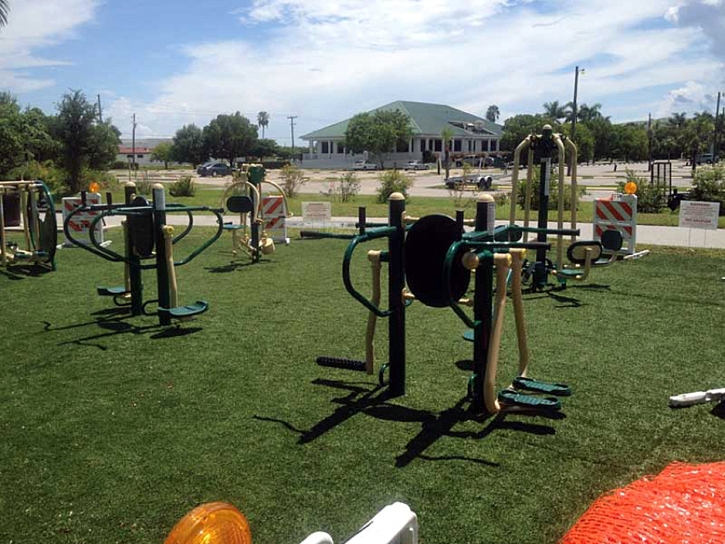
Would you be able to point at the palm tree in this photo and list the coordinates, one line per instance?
(678, 120)
(554, 110)
(589, 113)
(447, 136)
(493, 113)
(4, 9)
(262, 120)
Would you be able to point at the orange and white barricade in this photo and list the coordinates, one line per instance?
(81, 222)
(274, 213)
(618, 213)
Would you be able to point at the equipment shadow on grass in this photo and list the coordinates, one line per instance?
(116, 325)
(719, 410)
(374, 402)
(20, 272)
(231, 267)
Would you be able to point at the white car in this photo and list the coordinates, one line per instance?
(415, 165)
(364, 165)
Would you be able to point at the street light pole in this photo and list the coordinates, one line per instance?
(717, 129)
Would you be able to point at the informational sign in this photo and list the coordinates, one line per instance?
(81, 222)
(316, 212)
(699, 215)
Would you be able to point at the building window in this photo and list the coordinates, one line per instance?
(129, 156)
(340, 148)
(405, 148)
(422, 145)
(456, 145)
(437, 145)
(139, 156)
(325, 147)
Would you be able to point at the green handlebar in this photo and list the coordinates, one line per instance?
(371, 234)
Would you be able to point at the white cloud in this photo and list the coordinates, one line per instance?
(33, 25)
(328, 60)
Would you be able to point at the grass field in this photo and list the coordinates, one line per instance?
(112, 428)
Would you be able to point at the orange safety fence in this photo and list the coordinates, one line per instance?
(683, 504)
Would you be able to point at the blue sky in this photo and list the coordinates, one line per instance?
(179, 62)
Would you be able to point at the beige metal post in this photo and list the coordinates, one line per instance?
(517, 261)
(574, 191)
(376, 265)
(515, 177)
(26, 222)
(169, 245)
(3, 240)
(529, 191)
(502, 263)
(561, 206)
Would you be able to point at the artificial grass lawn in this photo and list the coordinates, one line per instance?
(111, 429)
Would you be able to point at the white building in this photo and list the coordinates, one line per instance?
(126, 154)
(472, 135)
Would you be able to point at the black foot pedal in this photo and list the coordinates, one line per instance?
(337, 362)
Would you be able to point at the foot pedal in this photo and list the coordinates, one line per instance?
(468, 336)
(512, 398)
(346, 364)
(111, 291)
(186, 312)
(529, 384)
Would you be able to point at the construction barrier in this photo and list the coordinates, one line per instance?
(617, 213)
(275, 218)
(80, 223)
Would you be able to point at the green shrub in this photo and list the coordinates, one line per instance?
(292, 179)
(183, 187)
(55, 178)
(393, 181)
(107, 181)
(553, 192)
(650, 198)
(349, 187)
(709, 186)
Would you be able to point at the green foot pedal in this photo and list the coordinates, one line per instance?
(111, 291)
(536, 386)
(512, 398)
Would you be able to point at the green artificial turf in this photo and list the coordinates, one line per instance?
(112, 428)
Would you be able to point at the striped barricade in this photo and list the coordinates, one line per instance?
(275, 218)
(618, 213)
(81, 222)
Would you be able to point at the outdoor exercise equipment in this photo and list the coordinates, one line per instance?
(245, 197)
(436, 258)
(699, 397)
(222, 523)
(586, 254)
(148, 244)
(28, 203)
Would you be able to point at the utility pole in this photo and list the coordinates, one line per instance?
(717, 129)
(292, 128)
(100, 111)
(649, 141)
(574, 114)
(133, 143)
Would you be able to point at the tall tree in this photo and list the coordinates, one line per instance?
(11, 133)
(105, 139)
(518, 127)
(74, 129)
(188, 145)
(378, 133)
(263, 121)
(586, 113)
(230, 137)
(554, 110)
(163, 153)
(493, 113)
(446, 137)
(264, 148)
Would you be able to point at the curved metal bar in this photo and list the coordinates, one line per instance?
(284, 196)
(96, 249)
(210, 241)
(369, 235)
(447, 266)
(515, 177)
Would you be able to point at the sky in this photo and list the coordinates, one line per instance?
(176, 62)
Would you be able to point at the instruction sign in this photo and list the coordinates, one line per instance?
(699, 215)
(316, 212)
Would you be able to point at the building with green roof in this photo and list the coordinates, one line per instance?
(472, 135)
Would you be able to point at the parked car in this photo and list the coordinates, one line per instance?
(707, 158)
(214, 169)
(364, 165)
(415, 165)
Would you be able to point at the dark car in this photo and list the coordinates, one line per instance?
(214, 169)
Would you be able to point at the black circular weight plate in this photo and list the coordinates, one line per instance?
(239, 204)
(612, 240)
(141, 229)
(426, 247)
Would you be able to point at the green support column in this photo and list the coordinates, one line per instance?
(396, 284)
(134, 272)
(162, 273)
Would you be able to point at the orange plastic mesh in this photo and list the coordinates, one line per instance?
(684, 504)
